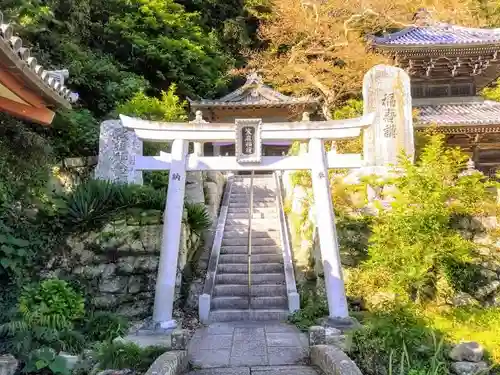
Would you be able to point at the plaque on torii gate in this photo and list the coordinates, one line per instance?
(248, 141)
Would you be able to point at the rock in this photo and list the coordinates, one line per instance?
(116, 284)
(86, 256)
(464, 299)
(469, 368)
(146, 264)
(487, 289)
(71, 360)
(317, 336)
(380, 298)
(195, 290)
(180, 339)
(335, 337)
(8, 364)
(488, 222)
(126, 265)
(483, 239)
(136, 284)
(467, 351)
(104, 301)
(117, 372)
(134, 310)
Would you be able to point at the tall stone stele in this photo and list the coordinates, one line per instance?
(386, 92)
(118, 148)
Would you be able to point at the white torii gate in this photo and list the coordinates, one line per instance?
(387, 126)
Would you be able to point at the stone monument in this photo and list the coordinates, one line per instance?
(386, 92)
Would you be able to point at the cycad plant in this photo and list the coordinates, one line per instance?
(96, 202)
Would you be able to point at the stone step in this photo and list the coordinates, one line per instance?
(227, 290)
(256, 210)
(236, 302)
(235, 204)
(260, 370)
(245, 199)
(243, 233)
(255, 241)
(255, 215)
(257, 225)
(257, 222)
(232, 315)
(256, 279)
(257, 192)
(256, 250)
(257, 268)
(256, 259)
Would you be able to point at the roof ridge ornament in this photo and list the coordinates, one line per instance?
(423, 18)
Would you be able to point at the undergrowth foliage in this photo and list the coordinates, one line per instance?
(426, 196)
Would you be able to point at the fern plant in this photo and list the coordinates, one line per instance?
(46, 317)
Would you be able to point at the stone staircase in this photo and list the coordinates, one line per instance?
(268, 294)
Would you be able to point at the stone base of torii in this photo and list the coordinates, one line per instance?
(387, 130)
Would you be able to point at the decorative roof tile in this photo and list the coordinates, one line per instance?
(460, 114)
(49, 83)
(439, 34)
(253, 92)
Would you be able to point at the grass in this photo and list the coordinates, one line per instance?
(469, 324)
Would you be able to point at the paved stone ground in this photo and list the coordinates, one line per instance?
(257, 370)
(247, 347)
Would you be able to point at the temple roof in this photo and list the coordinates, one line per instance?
(459, 113)
(19, 62)
(439, 34)
(253, 93)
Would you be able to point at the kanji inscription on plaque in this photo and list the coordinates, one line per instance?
(248, 141)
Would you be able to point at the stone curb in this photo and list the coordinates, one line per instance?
(333, 361)
(170, 363)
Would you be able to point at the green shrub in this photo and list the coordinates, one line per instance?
(119, 355)
(313, 306)
(46, 359)
(389, 334)
(413, 244)
(198, 218)
(105, 326)
(46, 317)
(52, 303)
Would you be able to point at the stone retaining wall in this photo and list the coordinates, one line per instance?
(117, 266)
(483, 231)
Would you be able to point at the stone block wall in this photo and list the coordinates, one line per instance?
(117, 266)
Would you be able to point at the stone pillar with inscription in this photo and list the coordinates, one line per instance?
(386, 92)
(118, 148)
(194, 179)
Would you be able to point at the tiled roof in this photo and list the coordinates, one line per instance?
(475, 113)
(439, 34)
(50, 82)
(253, 92)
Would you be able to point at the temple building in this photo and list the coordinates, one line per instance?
(254, 100)
(449, 65)
(27, 90)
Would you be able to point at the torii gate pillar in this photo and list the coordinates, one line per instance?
(171, 238)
